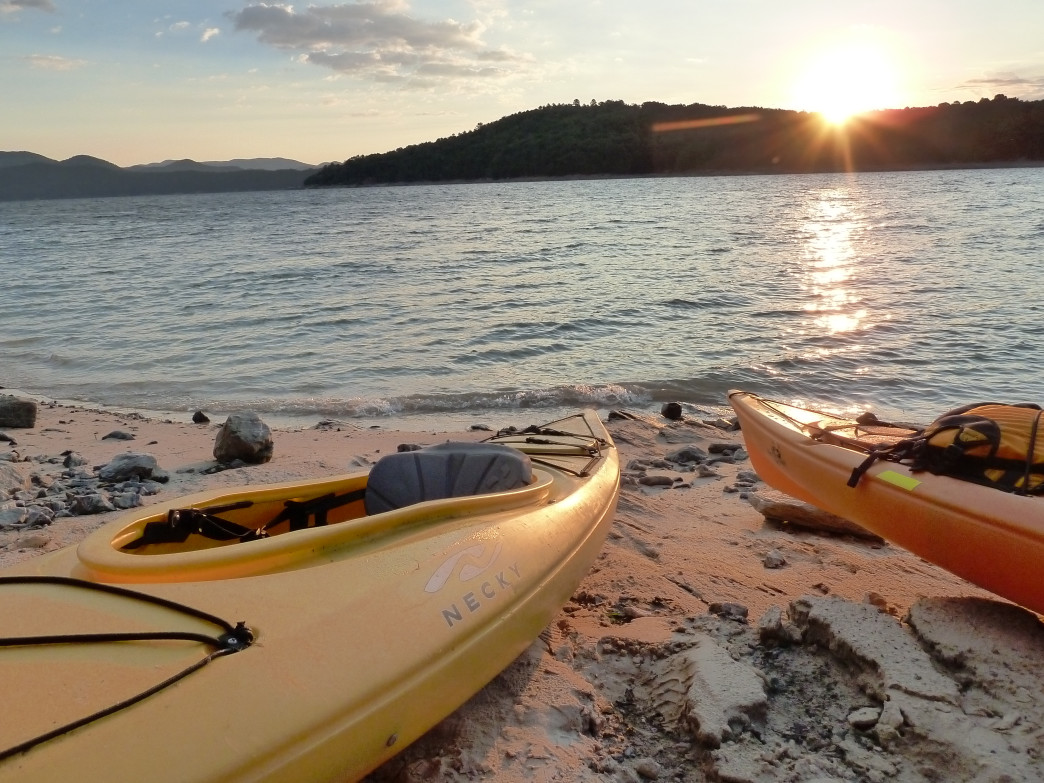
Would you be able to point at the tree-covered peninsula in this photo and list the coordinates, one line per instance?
(613, 138)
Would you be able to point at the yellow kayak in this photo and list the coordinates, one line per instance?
(305, 631)
(991, 538)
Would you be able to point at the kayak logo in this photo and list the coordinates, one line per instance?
(469, 565)
(469, 569)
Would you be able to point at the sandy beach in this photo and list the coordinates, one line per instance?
(706, 643)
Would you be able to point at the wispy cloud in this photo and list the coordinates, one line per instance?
(1027, 87)
(52, 62)
(209, 33)
(378, 40)
(13, 6)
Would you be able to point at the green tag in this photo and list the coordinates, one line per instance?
(900, 480)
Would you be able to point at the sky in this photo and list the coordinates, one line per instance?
(142, 81)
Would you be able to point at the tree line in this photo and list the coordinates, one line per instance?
(613, 138)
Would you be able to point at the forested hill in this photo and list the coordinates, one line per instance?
(613, 138)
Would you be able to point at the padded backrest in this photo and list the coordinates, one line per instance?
(448, 470)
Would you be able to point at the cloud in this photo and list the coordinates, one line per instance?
(51, 62)
(1027, 87)
(378, 40)
(14, 6)
(209, 33)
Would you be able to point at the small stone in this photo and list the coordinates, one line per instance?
(126, 500)
(118, 435)
(672, 411)
(864, 718)
(74, 460)
(91, 504)
(772, 627)
(38, 516)
(687, 454)
(649, 769)
(729, 611)
(199, 417)
(656, 480)
(774, 559)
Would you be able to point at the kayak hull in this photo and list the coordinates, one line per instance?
(990, 538)
(367, 632)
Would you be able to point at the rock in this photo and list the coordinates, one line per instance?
(199, 417)
(126, 500)
(775, 505)
(91, 504)
(671, 410)
(774, 559)
(11, 479)
(74, 460)
(38, 516)
(687, 454)
(864, 718)
(128, 466)
(12, 517)
(656, 480)
(17, 412)
(118, 435)
(774, 628)
(730, 611)
(245, 437)
(648, 768)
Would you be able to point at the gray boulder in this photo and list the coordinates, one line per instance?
(128, 466)
(17, 412)
(245, 437)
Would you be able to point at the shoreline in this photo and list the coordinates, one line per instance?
(706, 643)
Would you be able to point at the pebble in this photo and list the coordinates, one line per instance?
(648, 768)
(864, 718)
(774, 559)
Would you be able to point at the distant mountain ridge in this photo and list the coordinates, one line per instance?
(613, 138)
(253, 164)
(27, 175)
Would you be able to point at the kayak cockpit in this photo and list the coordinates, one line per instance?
(264, 528)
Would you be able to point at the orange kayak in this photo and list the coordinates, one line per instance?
(993, 539)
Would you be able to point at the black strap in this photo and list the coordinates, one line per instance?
(1031, 452)
(299, 511)
(234, 639)
(183, 522)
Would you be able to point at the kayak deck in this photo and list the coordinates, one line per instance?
(993, 539)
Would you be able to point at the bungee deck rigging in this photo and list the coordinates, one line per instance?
(234, 639)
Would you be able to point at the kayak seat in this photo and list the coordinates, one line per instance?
(448, 470)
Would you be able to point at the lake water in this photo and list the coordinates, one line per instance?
(443, 305)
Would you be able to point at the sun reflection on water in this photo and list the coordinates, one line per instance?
(831, 262)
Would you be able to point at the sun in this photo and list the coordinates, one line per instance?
(847, 79)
